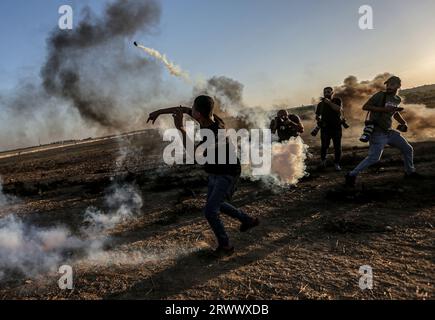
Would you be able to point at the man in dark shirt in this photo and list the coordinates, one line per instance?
(329, 116)
(286, 125)
(222, 177)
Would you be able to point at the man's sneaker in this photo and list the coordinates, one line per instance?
(350, 180)
(249, 225)
(413, 176)
(223, 251)
(337, 167)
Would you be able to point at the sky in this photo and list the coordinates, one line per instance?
(283, 51)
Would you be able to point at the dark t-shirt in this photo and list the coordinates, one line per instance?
(383, 120)
(221, 169)
(330, 119)
(285, 131)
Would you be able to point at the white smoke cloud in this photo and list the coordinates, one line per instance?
(124, 203)
(288, 161)
(32, 250)
(287, 164)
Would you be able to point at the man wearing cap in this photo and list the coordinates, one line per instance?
(383, 107)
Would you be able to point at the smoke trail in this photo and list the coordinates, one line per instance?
(174, 69)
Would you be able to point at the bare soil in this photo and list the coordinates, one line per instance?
(312, 240)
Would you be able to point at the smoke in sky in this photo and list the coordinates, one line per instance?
(91, 66)
(228, 95)
(92, 82)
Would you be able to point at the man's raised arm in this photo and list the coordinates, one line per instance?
(154, 115)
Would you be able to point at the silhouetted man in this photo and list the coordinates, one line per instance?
(383, 107)
(222, 177)
(286, 125)
(328, 115)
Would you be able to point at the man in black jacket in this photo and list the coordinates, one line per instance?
(329, 116)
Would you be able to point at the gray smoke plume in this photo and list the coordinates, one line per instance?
(228, 95)
(92, 83)
(227, 90)
(86, 65)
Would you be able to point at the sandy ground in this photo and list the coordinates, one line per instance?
(311, 243)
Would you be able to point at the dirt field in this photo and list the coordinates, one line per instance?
(310, 245)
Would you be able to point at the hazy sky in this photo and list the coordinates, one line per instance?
(281, 50)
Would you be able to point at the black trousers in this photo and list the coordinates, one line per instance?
(326, 135)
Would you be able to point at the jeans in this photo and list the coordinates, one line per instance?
(326, 134)
(220, 188)
(378, 141)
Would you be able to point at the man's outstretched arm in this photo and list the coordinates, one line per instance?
(154, 115)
